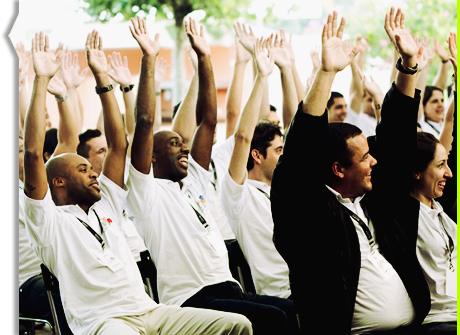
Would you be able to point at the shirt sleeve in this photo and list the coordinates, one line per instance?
(140, 192)
(199, 176)
(221, 156)
(233, 196)
(113, 197)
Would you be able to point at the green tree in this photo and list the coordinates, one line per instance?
(218, 13)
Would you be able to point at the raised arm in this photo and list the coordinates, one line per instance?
(24, 64)
(45, 64)
(72, 79)
(356, 86)
(206, 106)
(114, 161)
(119, 73)
(374, 91)
(235, 89)
(249, 117)
(283, 61)
(142, 147)
(300, 91)
(184, 122)
(440, 80)
(67, 131)
(161, 68)
(424, 67)
(333, 60)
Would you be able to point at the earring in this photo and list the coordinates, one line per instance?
(417, 177)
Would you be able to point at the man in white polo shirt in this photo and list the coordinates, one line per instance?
(73, 222)
(169, 207)
(246, 186)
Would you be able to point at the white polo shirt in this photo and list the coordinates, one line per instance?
(94, 284)
(188, 256)
(433, 256)
(221, 155)
(382, 302)
(249, 213)
(29, 264)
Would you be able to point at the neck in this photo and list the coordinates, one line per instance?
(420, 197)
(343, 191)
(256, 174)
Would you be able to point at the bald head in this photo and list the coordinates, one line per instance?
(161, 137)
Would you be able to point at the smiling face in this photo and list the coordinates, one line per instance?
(97, 152)
(434, 108)
(430, 183)
(338, 111)
(170, 156)
(356, 179)
(274, 151)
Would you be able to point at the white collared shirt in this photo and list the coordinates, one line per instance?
(382, 302)
(432, 253)
(366, 123)
(187, 255)
(248, 210)
(431, 127)
(95, 284)
(221, 155)
(29, 264)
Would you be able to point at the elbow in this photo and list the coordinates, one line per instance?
(243, 137)
(33, 155)
(145, 122)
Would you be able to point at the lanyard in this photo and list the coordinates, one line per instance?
(265, 193)
(200, 217)
(215, 174)
(449, 244)
(362, 224)
(428, 122)
(91, 230)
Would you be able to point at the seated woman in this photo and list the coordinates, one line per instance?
(433, 111)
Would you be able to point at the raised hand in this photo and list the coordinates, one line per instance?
(371, 87)
(264, 64)
(95, 56)
(57, 87)
(314, 54)
(246, 38)
(139, 31)
(400, 37)
(276, 48)
(196, 38)
(333, 57)
(69, 71)
(119, 70)
(45, 62)
(428, 53)
(287, 44)
(452, 40)
(242, 55)
(161, 68)
(440, 51)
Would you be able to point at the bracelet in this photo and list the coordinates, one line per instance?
(444, 61)
(158, 93)
(126, 88)
(61, 99)
(104, 89)
(406, 69)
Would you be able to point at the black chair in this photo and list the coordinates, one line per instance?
(239, 267)
(149, 274)
(52, 286)
(27, 326)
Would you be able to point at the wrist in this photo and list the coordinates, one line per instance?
(409, 61)
(61, 98)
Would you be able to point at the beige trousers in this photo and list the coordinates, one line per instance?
(174, 320)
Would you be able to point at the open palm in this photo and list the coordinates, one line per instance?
(45, 63)
(139, 32)
(95, 56)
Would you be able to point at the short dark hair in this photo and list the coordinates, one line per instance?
(334, 95)
(264, 134)
(51, 142)
(338, 149)
(429, 92)
(426, 148)
(176, 108)
(83, 148)
(272, 108)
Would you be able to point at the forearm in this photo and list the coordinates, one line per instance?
(234, 97)
(440, 80)
(206, 106)
(300, 91)
(129, 100)
(394, 71)
(264, 107)
(67, 132)
(23, 105)
(158, 117)
(316, 100)
(185, 121)
(446, 135)
(405, 83)
(421, 85)
(289, 96)
(35, 122)
(356, 89)
(73, 98)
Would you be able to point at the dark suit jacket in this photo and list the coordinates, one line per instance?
(315, 235)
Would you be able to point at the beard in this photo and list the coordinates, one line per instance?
(82, 194)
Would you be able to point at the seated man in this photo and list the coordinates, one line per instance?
(337, 107)
(73, 222)
(343, 236)
(169, 206)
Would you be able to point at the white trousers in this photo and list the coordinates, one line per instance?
(175, 320)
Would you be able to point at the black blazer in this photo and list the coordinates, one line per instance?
(315, 235)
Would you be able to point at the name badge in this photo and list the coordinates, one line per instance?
(451, 282)
(217, 243)
(381, 264)
(111, 261)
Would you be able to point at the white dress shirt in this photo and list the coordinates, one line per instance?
(95, 284)
(249, 213)
(363, 121)
(382, 302)
(433, 256)
(187, 254)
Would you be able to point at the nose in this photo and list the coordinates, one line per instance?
(448, 173)
(373, 160)
(185, 148)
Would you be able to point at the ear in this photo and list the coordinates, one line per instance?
(154, 158)
(47, 155)
(338, 170)
(58, 182)
(256, 156)
(416, 175)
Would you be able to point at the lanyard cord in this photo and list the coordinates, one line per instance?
(91, 230)
(362, 224)
(265, 193)
(449, 243)
(215, 174)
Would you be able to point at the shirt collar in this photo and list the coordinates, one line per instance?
(260, 185)
(344, 200)
(431, 212)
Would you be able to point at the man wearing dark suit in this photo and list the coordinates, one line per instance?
(352, 268)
